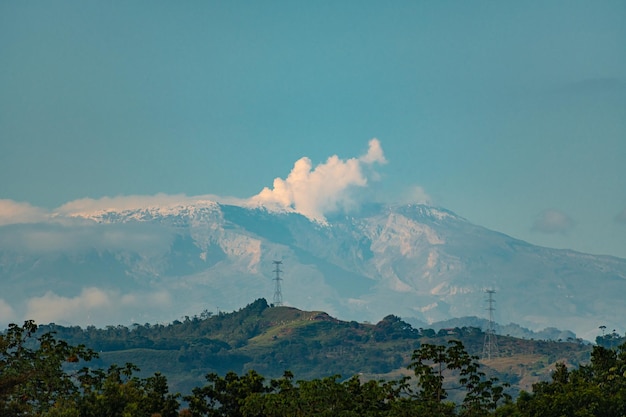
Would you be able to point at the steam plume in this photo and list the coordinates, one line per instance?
(314, 192)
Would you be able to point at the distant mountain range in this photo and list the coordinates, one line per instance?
(422, 263)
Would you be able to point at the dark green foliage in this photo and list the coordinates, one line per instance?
(35, 383)
(248, 396)
(224, 397)
(118, 392)
(225, 330)
(393, 328)
(597, 389)
(271, 340)
(430, 364)
(324, 397)
(42, 376)
(310, 344)
(32, 375)
(610, 340)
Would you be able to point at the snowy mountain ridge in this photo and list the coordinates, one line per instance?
(415, 261)
(147, 213)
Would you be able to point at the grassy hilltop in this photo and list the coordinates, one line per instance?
(311, 344)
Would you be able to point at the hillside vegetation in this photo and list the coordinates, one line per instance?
(44, 375)
(310, 344)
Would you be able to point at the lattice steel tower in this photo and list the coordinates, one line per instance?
(278, 295)
(490, 347)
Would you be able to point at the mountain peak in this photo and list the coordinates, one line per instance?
(413, 260)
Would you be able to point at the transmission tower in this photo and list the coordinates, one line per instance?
(490, 347)
(278, 295)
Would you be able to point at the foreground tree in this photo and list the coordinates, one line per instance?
(32, 374)
(597, 389)
(249, 396)
(224, 396)
(430, 362)
(118, 392)
(42, 376)
(324, 397)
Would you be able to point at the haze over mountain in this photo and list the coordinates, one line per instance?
(158, 263)
(149, 259)
(511, 114)
(117, 119)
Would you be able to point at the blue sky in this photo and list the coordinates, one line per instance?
(511, 114)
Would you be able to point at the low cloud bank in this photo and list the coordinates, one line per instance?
(78, 236)
(94, 306)
(313, 191)
(14, 212)
(86, 206)
(7, 314)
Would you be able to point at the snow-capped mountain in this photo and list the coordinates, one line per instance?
(414, 261)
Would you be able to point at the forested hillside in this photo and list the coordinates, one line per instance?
(43, 376)
(311, 344)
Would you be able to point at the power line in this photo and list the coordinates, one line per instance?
(490, 347)
(278, 294)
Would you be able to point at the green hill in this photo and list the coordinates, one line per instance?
(311, 344)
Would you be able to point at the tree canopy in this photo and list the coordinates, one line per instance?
(42, 376)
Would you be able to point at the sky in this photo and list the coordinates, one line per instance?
(510, 114)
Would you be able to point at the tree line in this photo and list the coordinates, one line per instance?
(310, 344)
(43, 376)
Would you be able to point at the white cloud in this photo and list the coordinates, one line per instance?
(52, 308)
(310, 190)
(90, 205)
(12, 212)
(80, 236)
(323, 189)
(133, 202)
(7, 314)
(374, 153)
(92, 306)
(552, 221)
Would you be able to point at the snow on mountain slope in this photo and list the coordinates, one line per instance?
(159, 263)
